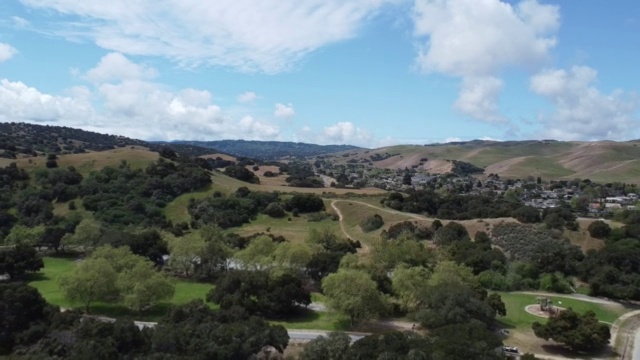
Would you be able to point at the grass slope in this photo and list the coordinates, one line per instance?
(136, 157)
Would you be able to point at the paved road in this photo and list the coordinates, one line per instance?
(294, 335)
(308, 335)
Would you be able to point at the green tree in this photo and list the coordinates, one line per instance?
(527, 214)
(332, 347)
(388, 254)
(450, 233)
(86, 235)
(495, 301)
(259, 255)
(143, 286)
(579, 332)
(185, 252)
(599, 229)
(274, 210)
(293, 255)
(353, 293)
(90, 281)
(19, 260)
(408, 283)
(21, 234)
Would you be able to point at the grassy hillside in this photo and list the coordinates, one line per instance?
(602, 161)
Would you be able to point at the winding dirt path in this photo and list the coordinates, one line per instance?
(365, 248)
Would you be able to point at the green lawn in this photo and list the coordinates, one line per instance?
(47, 283)
(517, 317)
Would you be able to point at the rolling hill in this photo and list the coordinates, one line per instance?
(602, 161)
(268, 150)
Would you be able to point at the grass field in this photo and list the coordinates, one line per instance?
(185, 291)
(47, 283)
(518, 318)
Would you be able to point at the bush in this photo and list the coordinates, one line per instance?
(274, 210)
(599, 229)
(527, 214)
(305, 203)
(371, 223)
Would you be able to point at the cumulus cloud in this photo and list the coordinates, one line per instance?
(247, 35)
(122, 100)
(115, 67)
(19, 102)
(581, 110)
(246, 97)
(344, 132)
(477, 39)
(284, 111)
(479, 98)
(6, 52)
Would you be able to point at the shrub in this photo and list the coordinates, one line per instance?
(599, 229)
(371, 223)
(274, 210)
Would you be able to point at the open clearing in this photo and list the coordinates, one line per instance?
(519, 322)
(47, 284)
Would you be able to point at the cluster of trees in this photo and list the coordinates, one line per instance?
(244, 205)
(241, 173)
(116, 275)
(126, 196)
(34, 329)
(452, 206)
(614, 271)
(540, 259)
(301, 174)
(582, 333)
(32, 139)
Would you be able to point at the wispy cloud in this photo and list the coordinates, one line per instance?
(267, 36)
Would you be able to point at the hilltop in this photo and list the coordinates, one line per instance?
(268, 150)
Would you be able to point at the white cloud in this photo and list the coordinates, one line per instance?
(115, 67)
(452, 139)
(6, 52)
(255, 129)
(20, 22)
(582, 112)
(248, 35)
(477, 39)
(19, 102)
(284, 111)
(246, 97)
(129, 105)
(479, 99)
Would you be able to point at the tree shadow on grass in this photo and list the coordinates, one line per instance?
(563, 351)
(30, 277)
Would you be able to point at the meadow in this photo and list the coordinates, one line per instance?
(185, 291)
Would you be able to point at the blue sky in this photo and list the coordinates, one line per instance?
(363, 72)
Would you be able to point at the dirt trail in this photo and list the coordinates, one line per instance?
(365, 248)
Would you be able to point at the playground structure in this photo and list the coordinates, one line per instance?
(546, 306)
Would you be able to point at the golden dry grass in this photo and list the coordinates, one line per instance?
(136, 157)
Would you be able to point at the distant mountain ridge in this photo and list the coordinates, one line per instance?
(268, 150)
